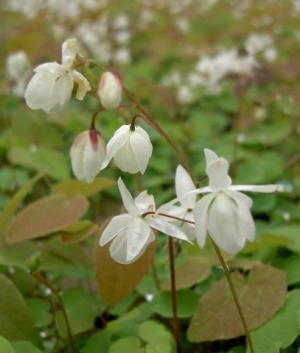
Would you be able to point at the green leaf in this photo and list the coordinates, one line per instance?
(15, 320)
(5, 346)
(23, 346)
(127, 345)
(53, 163)
(14, 203)
(216, 316)
(45, 216)
(282, 329)
(81, 311)
(39, 309)
(158, 338)
(71, 188)
(186, 303)
(267, 168)
(99, 339)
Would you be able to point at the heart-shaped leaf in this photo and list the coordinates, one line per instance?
(216, 316)
(45, 216)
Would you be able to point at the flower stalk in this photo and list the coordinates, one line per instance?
(235, 296)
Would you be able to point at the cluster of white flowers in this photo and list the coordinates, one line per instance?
(224, 214)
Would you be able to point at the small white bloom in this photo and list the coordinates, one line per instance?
(18, 70)
(183, 185)
(131, 232)
(51, 87)
(110, 90)
(131, 149)
(87, 155)
(225, 213)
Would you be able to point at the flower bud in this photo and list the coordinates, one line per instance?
(87, 154)
(110, 90)
(130, 148)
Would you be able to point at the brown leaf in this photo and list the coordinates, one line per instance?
(115, 280)
(216, 316)
(193, 270)
(45, 216)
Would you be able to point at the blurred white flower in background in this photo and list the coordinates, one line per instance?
(18, 70)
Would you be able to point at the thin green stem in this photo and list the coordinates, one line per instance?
(173, 294)
(47, 284)
(155, 277)
(235, 297)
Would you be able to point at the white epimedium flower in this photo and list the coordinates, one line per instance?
(131, 232)
(225, 213)
(110, 90)
(87, 154)
(131, 149)
(51, 86)
(184, 186)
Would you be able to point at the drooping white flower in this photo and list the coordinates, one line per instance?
(18, 71)
(225, 212)
(130, 149)
(131, 232)
(187, 200)
(51, 87)
(110, 90)
(87, 154)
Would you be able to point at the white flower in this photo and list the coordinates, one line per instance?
(225, 213)
(18, 70)
(132, 232)
(110, 90)
(187, 199)
(131, 149)
(87, 154)
(51, 87)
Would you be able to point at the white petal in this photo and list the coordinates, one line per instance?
(118, 247)
(144, 202)
(166, 228)
(50, 88)
(184, 184)
(138, 233)
(127, 199)
(217, 172)
(254, 188)
(141, 149)
(230, 222)
(83, 85)
(114, 228)
(121, 136)
(210, 155)
(125, 159)
(201, 218)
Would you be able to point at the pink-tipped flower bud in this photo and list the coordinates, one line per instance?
(87, 154)
(110, 90)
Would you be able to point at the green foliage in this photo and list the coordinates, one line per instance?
(51, 224)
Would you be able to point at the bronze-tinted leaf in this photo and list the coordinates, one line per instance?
(115, 281)
(45, 216)
(193, 270)
(261, 296)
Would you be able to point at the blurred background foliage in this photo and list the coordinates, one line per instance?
(214, 74)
